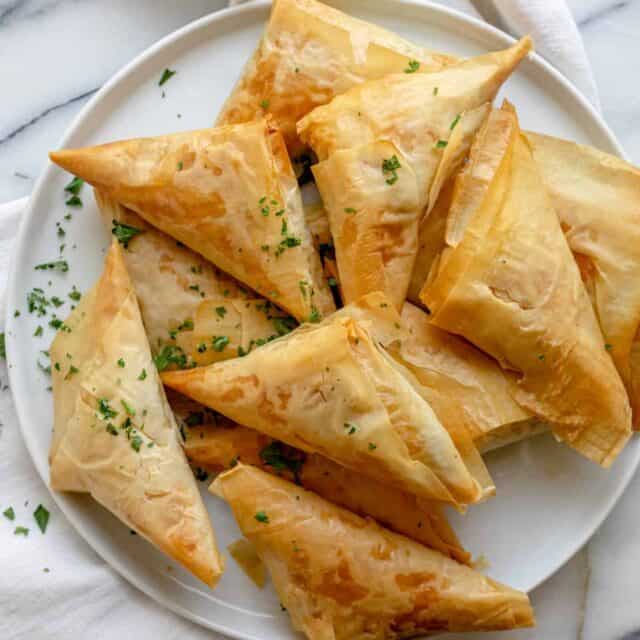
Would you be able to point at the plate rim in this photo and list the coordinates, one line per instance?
(204, 22)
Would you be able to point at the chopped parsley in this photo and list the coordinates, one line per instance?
(219, 343)
(372, 446)
(280, 457)
(21, 531)
(72, 371)
(37, 302)
(264, 104)
(121, 363)
(350, 427)
(55, 265)
(180, 165)
(349, 210)
(167, 74)
(261, 516)
(390, 167)
(38, 332)
(412, 66)
(105, 410)
(130, 411)
(187, 325)
(9, 513)
(452, 126)
(136, 443)
(169, 355)
(608, 346)
(59, 325)
(3, 346)
(284, 325)
(315, 315)
(221, 311)
(41, 516)
(124, 233)
(441, 144)
(435, 91)
(74, 294)
(74, 201)
(75, 186)
(541, 356)
(111, 429)
(143, 375)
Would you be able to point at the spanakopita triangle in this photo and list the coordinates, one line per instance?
(507, 282)
(115, 436)
(311, 52)
(331, 389)
(597, 198)
(386, 147)
(229, 194)
(342, 577)
(192, 311)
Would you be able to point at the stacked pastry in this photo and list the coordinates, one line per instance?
(478, 293)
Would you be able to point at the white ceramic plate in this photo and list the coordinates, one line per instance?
(550, 501)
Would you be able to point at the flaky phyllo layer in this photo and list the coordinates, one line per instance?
(229, 194)
(342, 396)
(115, 436)
(342, 577)
(385, 148)
(508, 283)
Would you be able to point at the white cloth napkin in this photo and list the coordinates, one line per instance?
(53, 585)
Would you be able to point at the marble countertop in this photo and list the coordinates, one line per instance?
(68, 48)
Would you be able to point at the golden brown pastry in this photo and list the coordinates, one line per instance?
(310, 53)
(341, 577)
(386, 147)
(508, 283)
(465, 387)
(331, 389)
(597, 198)
(216, 444)
(192, 311)
(230, 194)
(115, 436)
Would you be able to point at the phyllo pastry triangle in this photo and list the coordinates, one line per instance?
(463, 385)
(386, 147)
(332, 389)
(192, 311)
(507, 282)
(597, 198)
(343, 577)
(115, 436)
(229, 194)
(311, 52)
(215, 443)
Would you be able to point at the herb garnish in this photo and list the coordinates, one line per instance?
(9, 513)
(284, 325)
(72, 370)
(167, 74)
(105, 410)
(57, 265)
(130, 411)
(74, 201)
(435, 91)
(412, 66)
(121, 363)
(124, 233)
(452, 126)
(170, 354)
(349, 210)
(350, 427)
(390, 167)
(74, 294)
(143, 375)
(261, 516)
(219, 343)
(315, 314)
(221, 311)
(42, 518)
(441, 144)
(21, 531)
(264, 104)
(3, 346)
(74, 186)
(136, 442)
(372, 446)
(280, 457)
